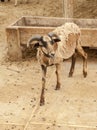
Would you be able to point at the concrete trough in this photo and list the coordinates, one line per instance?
(19, 32)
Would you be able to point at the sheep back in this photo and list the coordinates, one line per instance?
(69, 33)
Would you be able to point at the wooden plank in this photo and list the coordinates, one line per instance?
(20, 22)
(55, 21)
(27, 32)
(86, 23)
(88, 36)
(44, 21)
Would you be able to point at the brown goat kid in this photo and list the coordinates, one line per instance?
(55, 47)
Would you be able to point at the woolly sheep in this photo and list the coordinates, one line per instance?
(60, 44)
(16, 1)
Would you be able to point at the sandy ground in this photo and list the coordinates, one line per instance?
(74, 107)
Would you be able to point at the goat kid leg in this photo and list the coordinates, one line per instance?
(42, 98)
(84, 56)
(72, 65)
(58, 76)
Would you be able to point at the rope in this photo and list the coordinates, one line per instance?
(28, 122)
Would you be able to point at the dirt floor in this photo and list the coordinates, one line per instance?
(74, 107)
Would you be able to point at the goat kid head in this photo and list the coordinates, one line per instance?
(47, 43)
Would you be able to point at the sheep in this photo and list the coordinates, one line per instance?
(16, 1)
(4, 0)
(55, 47)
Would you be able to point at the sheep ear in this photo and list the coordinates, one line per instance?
(57, 40)
(54, 37)
(36, 45)
(40, 43)
(34, 40)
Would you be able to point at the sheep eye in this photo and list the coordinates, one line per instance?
(44, 44)
(52, 42)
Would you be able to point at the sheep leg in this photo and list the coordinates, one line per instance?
(58, 76)
(44, 70)
(26, 1)
(84, 56)
(72, 65)
(84, 64)
(16, 1)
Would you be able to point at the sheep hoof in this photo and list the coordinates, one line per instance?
(70, 74)
(85, 74)
(57, 86)
(42, 102)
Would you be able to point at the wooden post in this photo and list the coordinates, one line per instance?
(68, 8)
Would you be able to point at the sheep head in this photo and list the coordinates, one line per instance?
(46, 43)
